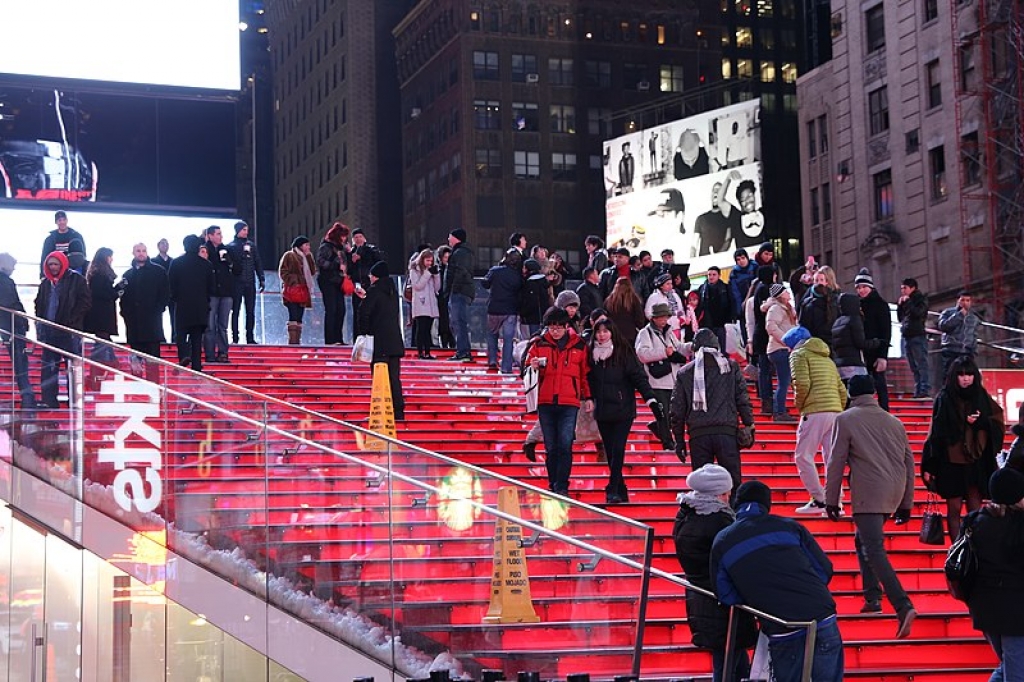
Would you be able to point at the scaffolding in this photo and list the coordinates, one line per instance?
(990, 122)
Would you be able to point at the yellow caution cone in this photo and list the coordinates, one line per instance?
(382, 411)
(510, 583)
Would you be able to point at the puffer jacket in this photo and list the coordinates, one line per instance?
(997, 598)
(563, 380)
(505, 284)
(818, 312)
(458, 278)
(959, 330)
(848, 342)
(874, 444)
(816, 383)
(727, 402)
(877, 327)
(708, 620)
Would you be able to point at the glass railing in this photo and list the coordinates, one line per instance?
(416, 559)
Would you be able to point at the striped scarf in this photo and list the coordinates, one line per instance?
(700, 399)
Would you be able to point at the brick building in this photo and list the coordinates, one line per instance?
(336, 118)
(505, 106)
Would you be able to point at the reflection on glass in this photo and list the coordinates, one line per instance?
(456, 494)
(744, 68)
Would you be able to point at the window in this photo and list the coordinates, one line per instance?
(823, 134)
(474, 20)
(826, 202)
(453, 71)
(456, 167)
(527, 164)
(598, 74)
(812, 139)
(884, 209)
(563, 166)
(488, 163)
(524, 116)
(560, 71)
(970, 159)
(937, 165)
(487, 114)
(878, 110)
(744, 68)
(599, 122)
(966, 55)
(931, 70)
(726, 68)
(789, 72)
(485, 66)
(815, 207)
(421, 191)
(931, 10)
(767, 71)
(671, 78)
(744, 36)
(563, 118)
(523, 66)
(913, 141)
(874, 23)
(633, 75)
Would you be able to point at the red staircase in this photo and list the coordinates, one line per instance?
(335, 529)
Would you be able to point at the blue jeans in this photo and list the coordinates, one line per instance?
(780, 359)
(215, 339)
(1010, 650)
(507, 332)
(458, 313)
(915, 349)
(558, 424)
(787, 653)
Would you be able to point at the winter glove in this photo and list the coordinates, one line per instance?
(433, 269)
(681, 452)
(901, 516)
(833, 511)
(677, 358)
(656, 409)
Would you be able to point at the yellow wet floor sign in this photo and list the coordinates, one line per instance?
(382, 411)
(510, 583)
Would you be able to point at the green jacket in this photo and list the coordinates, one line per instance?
(816, 383)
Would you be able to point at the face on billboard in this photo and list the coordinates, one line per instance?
(189, 44)
(695, 188)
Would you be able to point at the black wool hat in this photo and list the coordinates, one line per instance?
(380, 270)
(753, 491)
(1006, 486)
(861, 384)
(459, 234)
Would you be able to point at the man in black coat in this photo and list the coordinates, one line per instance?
(362, 258)
(18, 325)
(912, 312)
(877, 331)
(64, 299)
(146, 293)
(63, 239)
(717, 304)
(164, 260)
(246, 268)
(378, 316)
(589, 293)
(222, 298)
(190, 279)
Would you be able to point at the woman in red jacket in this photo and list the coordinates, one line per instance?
(559, 355)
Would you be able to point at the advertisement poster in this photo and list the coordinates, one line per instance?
(692, 185)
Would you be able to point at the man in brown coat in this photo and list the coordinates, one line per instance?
(874, 445)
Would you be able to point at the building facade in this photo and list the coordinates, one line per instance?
(337, 154)
(505, 106)
(895, 171)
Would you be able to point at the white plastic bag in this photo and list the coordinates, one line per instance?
(362, 349)
(531, 386)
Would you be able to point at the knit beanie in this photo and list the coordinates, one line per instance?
(532, 266)
(765, 274)
(459, 234)
(380, 270)
(239, 226)
(861, 384)
(566, 299)
(796, 336)
(299, 241)
(776, 289)
(753, 491)
(864, 277)
(710, 479)
(1006, 486)
(705, 338)
(7, 263)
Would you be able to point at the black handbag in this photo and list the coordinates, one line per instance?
(961, 567)
(932, 522)
(659, 369)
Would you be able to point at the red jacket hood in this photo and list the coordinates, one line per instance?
(63, 266)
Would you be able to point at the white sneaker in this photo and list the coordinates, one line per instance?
(812, 507)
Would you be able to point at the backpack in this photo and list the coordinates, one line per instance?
(961, 565)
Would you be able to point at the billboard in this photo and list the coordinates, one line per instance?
(692, 185)
(67, 146)
(184, 44)
(116, 231)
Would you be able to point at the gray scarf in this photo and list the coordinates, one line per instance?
(602, 351)
(705, 503)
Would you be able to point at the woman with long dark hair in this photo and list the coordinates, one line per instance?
(625, 309)
(615, 377)
(101, 319)
(966, 432)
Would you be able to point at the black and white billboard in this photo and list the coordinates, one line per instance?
(692, 185)
(181, 44)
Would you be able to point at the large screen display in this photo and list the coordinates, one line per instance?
(117, 231)
(692, 185)
(58, 145)
(186, 43)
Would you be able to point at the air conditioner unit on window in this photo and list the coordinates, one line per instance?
(532, 78)
(643, 86)
(415, 113)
